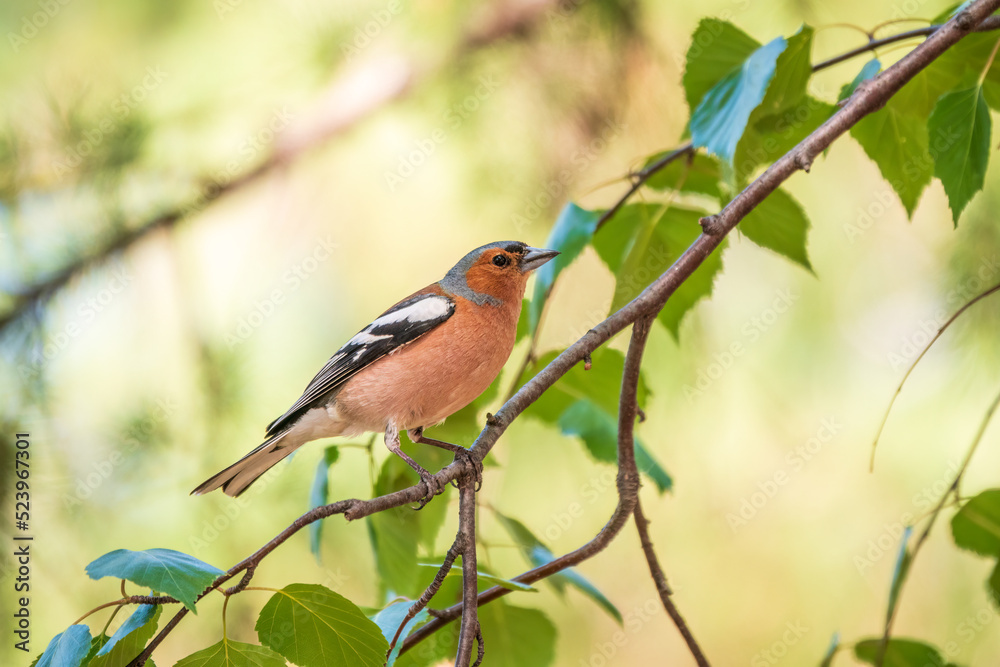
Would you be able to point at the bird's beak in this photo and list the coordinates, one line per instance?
(535, 257)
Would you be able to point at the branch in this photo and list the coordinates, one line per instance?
(868, 98)
(354, 96)
(470, 580)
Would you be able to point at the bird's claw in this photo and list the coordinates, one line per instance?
(433, 488)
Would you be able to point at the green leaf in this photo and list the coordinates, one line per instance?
(976, 527)
(773, 135)
(145, 614)
(651, 239)
(831, 651)
(959, 141)
(388, 621)
(509, 584)
(67, 649)
(395, 533)
(780, 224)
(319, 494)
(165, 570)
(792, 71)
(895, 139)
(899, 573)
(537, 553)
(228, 653)
(312, 626)
(599, 431)
(898, 653)
(570, 235)
(717, 124)
(601, 385)
(870, 69)
(694, 172)
(717, 48)
(522, 637)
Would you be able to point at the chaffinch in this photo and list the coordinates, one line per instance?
(422, 360)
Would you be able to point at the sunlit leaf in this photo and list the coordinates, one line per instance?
(599, 431)
(718, 122)
(717, 48)
(67, 649)
(695, 172)
(570, 235)
(228, 653)
(388, 621)
(959, 141)
(319, 495)
(976, 526)
(780, 224)
(312, 626)
(165, 570)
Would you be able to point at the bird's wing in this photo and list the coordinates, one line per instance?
(405, 322)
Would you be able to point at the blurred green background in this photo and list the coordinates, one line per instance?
(162, 365)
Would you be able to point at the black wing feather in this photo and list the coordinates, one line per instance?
(355, 356)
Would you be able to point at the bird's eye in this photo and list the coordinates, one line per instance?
(501, 260)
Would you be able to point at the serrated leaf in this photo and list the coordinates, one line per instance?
(228, 653)
(898, 653)
(791, 76)
(537, 553)
(718, 122)
(388, 620)
(319, 495)
(570, 235)
(654, 237)
(67, 649)
(312, 626)
(143, 615)
(959, 141)
(523, 637)
(868, 71)
(779, 224)
(485, 578)
(695, 172)
(976, 527)
(895, 139)
(717, 48)
(165, 570)
(599, 431)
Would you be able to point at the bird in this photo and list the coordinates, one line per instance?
(425, 358)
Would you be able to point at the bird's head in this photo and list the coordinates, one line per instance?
(496, 273)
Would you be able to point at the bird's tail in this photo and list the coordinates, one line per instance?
(238, 477)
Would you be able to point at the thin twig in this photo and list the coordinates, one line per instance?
(470, 580)
(663, 588)
(431, 590)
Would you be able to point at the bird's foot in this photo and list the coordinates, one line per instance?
(433, 487)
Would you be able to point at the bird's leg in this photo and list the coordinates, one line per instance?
(392, 442)
(461, 453)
